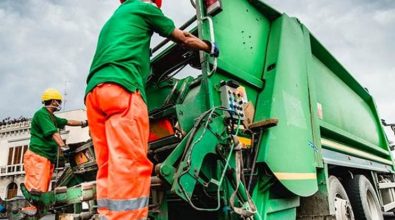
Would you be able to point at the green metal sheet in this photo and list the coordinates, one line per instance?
(342, 107)
(288, 148)
(193, 105)
(348, 112)
(241, 32)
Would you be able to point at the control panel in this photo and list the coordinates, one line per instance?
(234, 97)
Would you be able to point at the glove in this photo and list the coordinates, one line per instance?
(64, 148)
(65, 151)
(84, 123)
(214, 51)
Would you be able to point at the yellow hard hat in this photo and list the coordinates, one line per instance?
(51, 94)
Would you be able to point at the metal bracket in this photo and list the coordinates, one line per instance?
(264, 124)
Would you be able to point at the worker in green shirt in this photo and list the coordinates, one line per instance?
(45, 140)
(116, 104)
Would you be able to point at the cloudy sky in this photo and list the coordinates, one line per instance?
(50, 43)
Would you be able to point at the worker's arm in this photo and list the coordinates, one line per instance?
(58, 139)
(77, 123)
(190, 41)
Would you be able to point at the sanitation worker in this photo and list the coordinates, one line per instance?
(45, 140)
(116, 105)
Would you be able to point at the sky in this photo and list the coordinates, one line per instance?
(50, 43)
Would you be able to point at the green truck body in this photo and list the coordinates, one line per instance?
(327, 122)
(275, 128)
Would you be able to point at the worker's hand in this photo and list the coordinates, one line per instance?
(214, 50)
(64, 148)
(84, 123)
(65, 151)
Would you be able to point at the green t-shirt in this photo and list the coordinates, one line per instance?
(44, 125)
(123, 54)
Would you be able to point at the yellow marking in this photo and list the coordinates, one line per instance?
(296, 176)
(245, 141)
(344, 148)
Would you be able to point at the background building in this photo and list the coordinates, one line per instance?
(14, 141)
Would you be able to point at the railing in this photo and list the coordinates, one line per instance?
(15, 126)
(10, 170)
(164, 42)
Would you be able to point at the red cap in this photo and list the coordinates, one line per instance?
(122, 1)
(158, 3)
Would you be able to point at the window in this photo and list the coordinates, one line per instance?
(17, 155)
(24, 150)
(10, 156)
(12, 190)
(15, 158)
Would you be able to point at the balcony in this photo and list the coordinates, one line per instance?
(11, 170)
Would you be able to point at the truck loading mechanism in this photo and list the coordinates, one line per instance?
(275, 128)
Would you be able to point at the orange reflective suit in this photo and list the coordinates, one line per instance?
(118, 121)
(38, 171)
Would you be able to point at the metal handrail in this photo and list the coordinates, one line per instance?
(167, 40)
(186, 25)
(212, 40)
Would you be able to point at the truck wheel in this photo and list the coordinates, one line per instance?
(338, 197)
(363, 199)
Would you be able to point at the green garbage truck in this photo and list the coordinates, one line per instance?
(274, 128)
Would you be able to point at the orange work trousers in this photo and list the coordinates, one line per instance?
(38, 171)
(118, 122)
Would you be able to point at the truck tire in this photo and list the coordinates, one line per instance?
(363, 199)
(338, 198)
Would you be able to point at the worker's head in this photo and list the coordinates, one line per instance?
(52, 99)
(157, 2)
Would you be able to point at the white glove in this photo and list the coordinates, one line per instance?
(64, 148)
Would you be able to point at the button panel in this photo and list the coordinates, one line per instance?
(234, 99)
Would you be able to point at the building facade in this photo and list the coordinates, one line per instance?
(14, 141)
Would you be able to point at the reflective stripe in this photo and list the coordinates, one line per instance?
(102, 203)
(295, 176)
(102, 217)
(123, 205)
